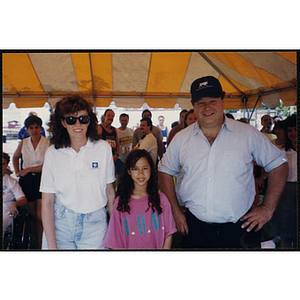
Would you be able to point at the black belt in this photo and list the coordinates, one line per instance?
(33, 174)
(218, 224)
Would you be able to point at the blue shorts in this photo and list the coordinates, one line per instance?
(78, 231)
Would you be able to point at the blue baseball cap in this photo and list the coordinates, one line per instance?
(207, 86)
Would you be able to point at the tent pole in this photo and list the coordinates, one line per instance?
(93, 83)
(244, 100)
(219, 71)
(254, 107)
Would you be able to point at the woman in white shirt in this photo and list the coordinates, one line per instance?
(78, 179)
(32, 151)
(285, 216)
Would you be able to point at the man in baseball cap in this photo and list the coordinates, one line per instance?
(215, 156)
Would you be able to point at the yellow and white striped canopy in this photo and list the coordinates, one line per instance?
(161, 79)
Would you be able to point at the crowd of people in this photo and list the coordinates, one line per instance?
(93, 186)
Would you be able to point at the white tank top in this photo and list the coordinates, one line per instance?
(31, 157)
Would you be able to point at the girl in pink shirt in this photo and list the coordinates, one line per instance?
(141, 217)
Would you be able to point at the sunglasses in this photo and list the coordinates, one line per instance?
(72, 120)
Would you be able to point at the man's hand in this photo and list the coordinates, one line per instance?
(261, 214)
(180, 222)
(258, 216)
(166, 183)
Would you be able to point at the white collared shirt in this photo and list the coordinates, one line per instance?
(148, 143)
(11, 190)
(218, 182)
(79, 180)
(34, 157)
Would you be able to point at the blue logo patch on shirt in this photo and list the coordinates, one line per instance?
(95, 165)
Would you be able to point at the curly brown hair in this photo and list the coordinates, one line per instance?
(69, 105)
(126, 185)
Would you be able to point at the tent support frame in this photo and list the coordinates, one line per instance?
(254, 107)
(93, 83)
(220, 72)
(244, 101)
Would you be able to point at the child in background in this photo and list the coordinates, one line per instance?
(13, 195)
(141, 217)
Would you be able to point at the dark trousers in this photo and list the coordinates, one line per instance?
(219, 235)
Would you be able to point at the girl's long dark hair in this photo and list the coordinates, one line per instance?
(126, 185)
(69, 105)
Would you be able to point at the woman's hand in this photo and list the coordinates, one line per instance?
(22, 173)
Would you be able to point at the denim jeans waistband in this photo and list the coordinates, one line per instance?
(58, 203)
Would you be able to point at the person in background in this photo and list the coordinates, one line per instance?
(142, 216)
(125, 140)
(147, 141)
(189, 118)
(177, 128)
(285, 216)
(216, 155)
(164, 130)
(13, 196)
(109, 133)
(262, 176)
(266, 122)
(279, 131)
(32, 151)
(244, 120)
(174, 124)
(22, 134)
(77, 179)
(137, 134)
(229, 115)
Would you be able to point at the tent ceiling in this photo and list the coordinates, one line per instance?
(161, 79)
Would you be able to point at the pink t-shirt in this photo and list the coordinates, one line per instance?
(140, 229)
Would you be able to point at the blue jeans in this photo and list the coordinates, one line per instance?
(76, 230)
